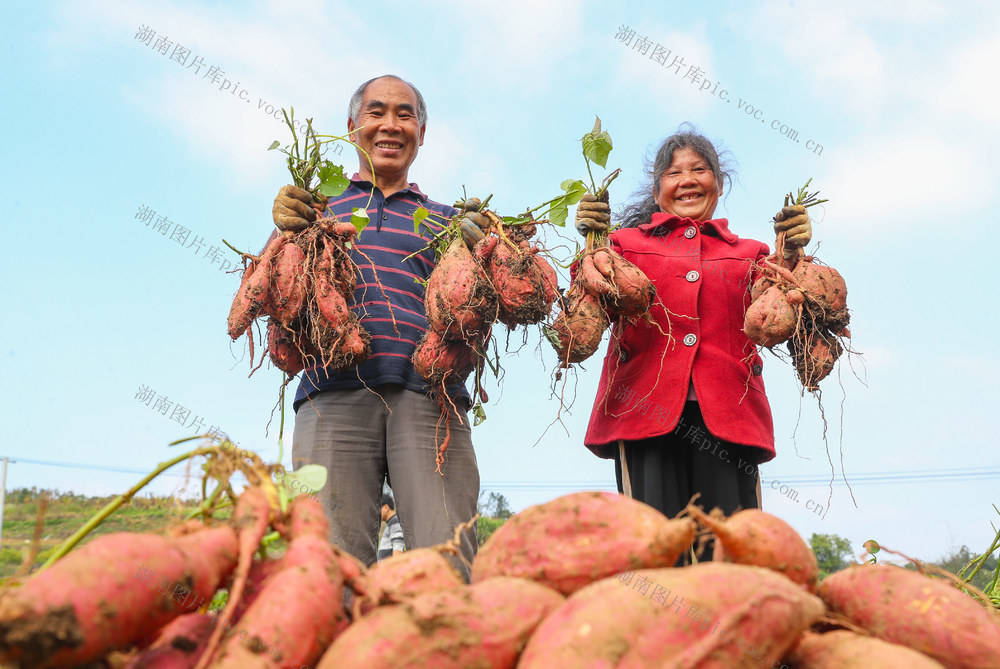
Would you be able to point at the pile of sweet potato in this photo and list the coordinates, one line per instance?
(303, 282)
(587, 580)
(139, 600)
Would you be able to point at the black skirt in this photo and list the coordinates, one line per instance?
(665, 472)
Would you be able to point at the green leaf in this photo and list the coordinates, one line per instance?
(597, 145)
(553, 336)
(558, 214)
(309, 478)
(275, 144)
(359, 219)
(575, 189)
(332, 181)
(418, 217)
(478, 413)
(596, 149)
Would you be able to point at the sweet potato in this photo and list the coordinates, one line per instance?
(259, 284)
(580, 326)
(913, 610)
(299, 611)
(814, 358)
(770, 319)
(520, 280)
(755, 537)
(91, 602)
(821, 284)
(460, 300)
(179, 644)
(841, 649)
(413, 573)
(443, 361)
(590, 279)
(289, 283)
(707, 615)
(633, 291)
(484, 625)
(251, 519)
(282, 349)
(331, 305)
(244, 309)
(580, 538)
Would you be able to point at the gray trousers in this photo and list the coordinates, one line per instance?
(362, 438)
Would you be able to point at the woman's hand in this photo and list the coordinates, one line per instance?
(292, 209)
(592, 215)
(794, 222)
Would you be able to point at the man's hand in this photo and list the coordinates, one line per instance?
(794, 222)
(592, 214)
(293, 209)
(473, 224)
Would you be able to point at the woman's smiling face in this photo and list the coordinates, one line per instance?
(688, 188)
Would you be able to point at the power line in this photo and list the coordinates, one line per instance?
(948, 475)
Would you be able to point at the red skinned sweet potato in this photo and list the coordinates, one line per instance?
(443, 361)
(300, 610)
(709, 615)
(815, 359)
(910, 609)
(244, 309)
(282, 348)
(460, 300)
(821, 284)
(841, 649)
(520, 282)
(755, 537)
(580, 326)
(580, 538)
(91, 601)
(179, 644)
(289, 283)
(770, 319)
(411, 574)
(484, 625)
(633, 292)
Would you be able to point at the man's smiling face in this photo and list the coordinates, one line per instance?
(390, 132)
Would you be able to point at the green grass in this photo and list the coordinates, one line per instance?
(67, 512)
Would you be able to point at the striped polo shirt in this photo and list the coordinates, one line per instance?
(388, 239)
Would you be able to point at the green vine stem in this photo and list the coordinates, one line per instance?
(118, 502)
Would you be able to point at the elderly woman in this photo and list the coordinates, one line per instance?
(681, 405)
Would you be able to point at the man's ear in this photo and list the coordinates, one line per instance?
(422, 129)
(350, 124)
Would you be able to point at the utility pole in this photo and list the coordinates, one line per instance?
(3, 494)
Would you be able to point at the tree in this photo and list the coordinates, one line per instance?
(831, 551)
(495, 506)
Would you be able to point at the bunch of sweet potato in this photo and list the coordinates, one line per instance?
(805, 306)
(604, 284)
(303, 282)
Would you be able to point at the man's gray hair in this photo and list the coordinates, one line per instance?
(354, 109)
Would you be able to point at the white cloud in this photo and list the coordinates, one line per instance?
(905, 180)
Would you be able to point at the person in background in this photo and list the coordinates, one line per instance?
(686, 413)
(392, 542)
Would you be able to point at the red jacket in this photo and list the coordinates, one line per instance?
(702, 273)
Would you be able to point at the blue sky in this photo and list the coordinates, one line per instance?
(898, 95)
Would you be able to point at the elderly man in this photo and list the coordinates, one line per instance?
(376, 420)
